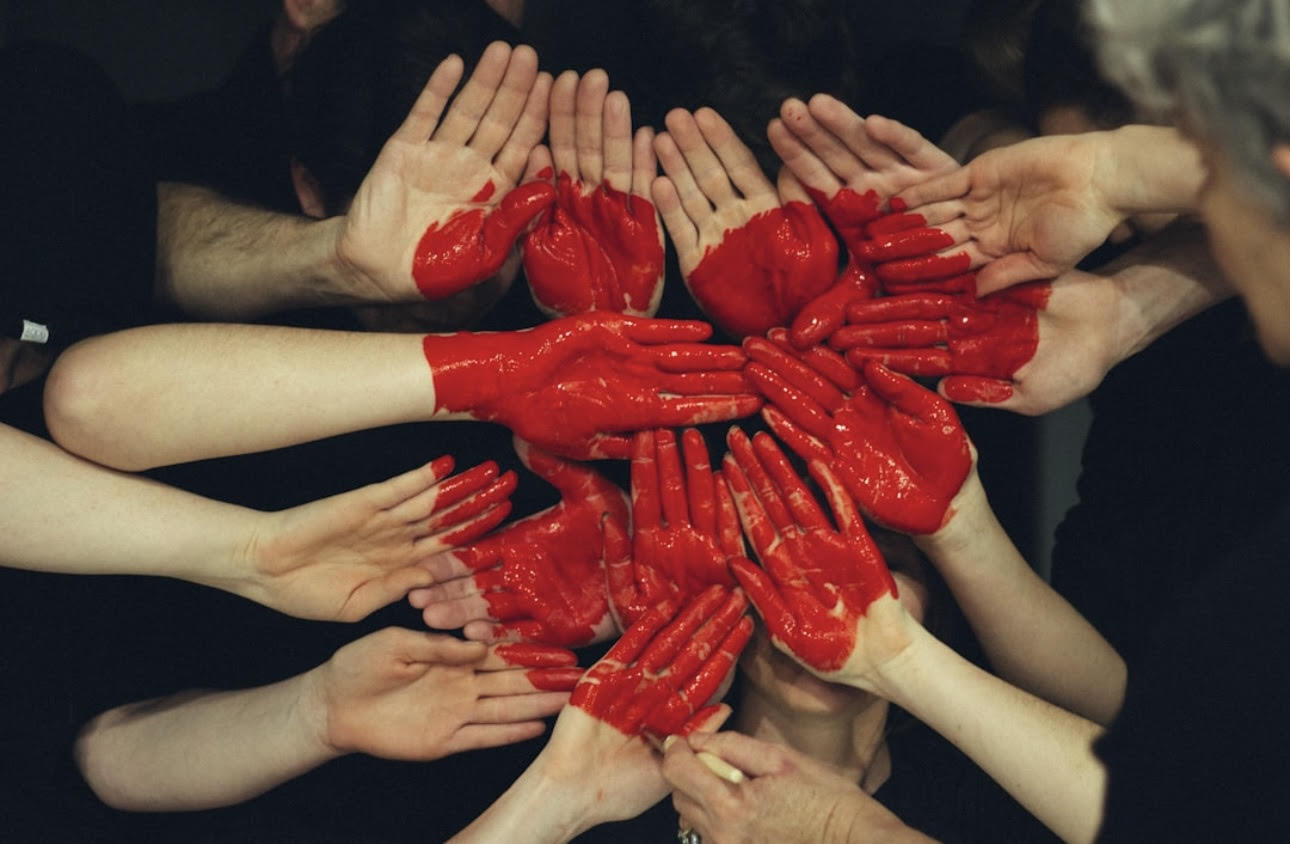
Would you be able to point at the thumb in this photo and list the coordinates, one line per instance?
(1009, 270)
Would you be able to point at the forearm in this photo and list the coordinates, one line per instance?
(1162, 283)
(1032, 636)
(1151, 168)
(168, 394)
(201, 750)
(1041, 754)
(535, 808)
(217, 259)
(60, 513)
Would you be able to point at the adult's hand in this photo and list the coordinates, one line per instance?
(600, 247)
(825, 594)
(343, 557)
(684, 526)
(404, 694)
(751, 255)
(784, 795)
(597, 767)
(576, 386)
(899, 448)
(541, 579)
(439, 211)
(850, 166)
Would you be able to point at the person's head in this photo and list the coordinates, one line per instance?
(350, 88)
(1221, 69)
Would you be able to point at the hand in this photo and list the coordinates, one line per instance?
(684, 527)
(541, 579)
(1032, 210)
(574, 385)
(439, 210)
(900, 449)
(751, 256)
(601, 246)
(818, 585)
(785, 795)
(597, 767)
(340, 558)
(401, 694)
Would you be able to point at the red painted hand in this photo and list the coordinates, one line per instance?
(980, 342)
(827, 312)
(574, 385)
(668, 666)
(899, 448)
(684, 526)
(601, 246)
(541, 579)
(816, 583)
(751, 256)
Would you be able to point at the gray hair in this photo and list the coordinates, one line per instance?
(1222, 66)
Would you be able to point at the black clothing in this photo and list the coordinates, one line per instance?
(1198, 752)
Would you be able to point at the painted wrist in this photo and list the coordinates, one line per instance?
(467, 369)
(963, 519)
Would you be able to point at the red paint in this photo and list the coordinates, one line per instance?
(967, 388)
(826, 313)
(924, 268)
(471, 244)
(668, 665)
(762, 273)
(485, 192)
(905, 244)
(597, 249)
(943, 334)
(899, 448)
(469, 505)
(545, 173)
(543, 577)
(533, 655)
(577, 386)
(554, 679)
(681, 526)
(815, 582)
(849, 212)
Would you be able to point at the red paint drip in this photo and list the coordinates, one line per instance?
(599, 249)
(485, 192)
(762, 274)
(472, 244)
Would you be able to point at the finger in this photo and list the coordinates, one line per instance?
(804, 445)
(913, 241)
(729, 536)
(938, 213)
(799, 499)
(836, 118)
(505, 710)
(644, 162)
(449, 491)
(695, 786)
(931, 362)
(528, 655)
(421, 646)
(424, 115)
(678, 223)
(519, 681)
(909, 144)
(907, 395)
(472, 101)
(693, 201)
(617, 133)
(671, 481)
(647, 507)
(827, 147)
(398, 489)
(722, 643)
(573, 480)
(767, 493)
(480, 736)
(668, 642)
(519, 630)
(660, 331)
(752, 514)
(806, 412)
(791, 370)
(840, 501)
(607, 447)
(526, 136)
(707, 720)
(910, 306)
(510, 101)
(699, 483)
(710, 177)
(635, 638)
(684, 411)
(914, 334)
(589, 125)
(754, 757)
(1009, 270)
(828, 363)
(978, 391)
(827, 312)
(705, 383)
(798, 158)
(789, 188)
(737, 161)
(928, 267)
(455, 614)
(485, 499)
(952, 185)
(762, 592)
(539, 167)
(463, 533)
(694, 357)
(561, 131)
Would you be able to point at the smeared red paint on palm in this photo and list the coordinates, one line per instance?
(596, 249)
(815, 582)
(949, 335)
(899, 448)
(762, 273)
(666, 667)
(543, 577)
(849, 212)
(684, 526)
(574, 386)
(473, 243)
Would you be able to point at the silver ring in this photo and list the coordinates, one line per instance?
(689, 836)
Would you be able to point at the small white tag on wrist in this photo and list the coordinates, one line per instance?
(34, 332)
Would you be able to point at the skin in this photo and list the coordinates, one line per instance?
(21, 363)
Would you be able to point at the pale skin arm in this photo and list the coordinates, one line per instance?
(197, 391)
(1032, 636)
(396, 693)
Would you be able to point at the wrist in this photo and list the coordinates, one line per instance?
(1149, 169)
(540, 806)
(467, 370)
(969, 512)
(314, 715)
